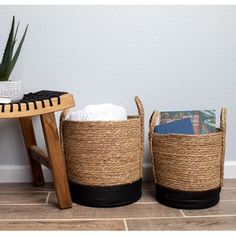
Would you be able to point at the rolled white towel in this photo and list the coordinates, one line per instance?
(78, 115)
(101, 112)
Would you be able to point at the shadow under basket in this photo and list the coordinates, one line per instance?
(104, 159)
(188, 169)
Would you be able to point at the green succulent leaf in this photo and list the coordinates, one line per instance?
(2, 78)
(17, 27)
(17, 53)
(7, 55)
(8, 60)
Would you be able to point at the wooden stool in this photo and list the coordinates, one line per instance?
(43, 104)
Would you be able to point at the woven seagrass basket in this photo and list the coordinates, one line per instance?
(104, 159)
(188, 169)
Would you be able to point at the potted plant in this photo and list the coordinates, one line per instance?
(11, 90)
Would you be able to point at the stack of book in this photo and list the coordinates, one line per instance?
(187, 122)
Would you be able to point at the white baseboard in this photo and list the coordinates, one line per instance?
(15, 173)
(230, 170)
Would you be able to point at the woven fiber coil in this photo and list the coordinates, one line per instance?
(188, 162)
(104, 153)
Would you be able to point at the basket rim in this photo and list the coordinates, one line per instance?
(129, 119)
(218, 131)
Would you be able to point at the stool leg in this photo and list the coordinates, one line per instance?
(56, 160)
(29, 138)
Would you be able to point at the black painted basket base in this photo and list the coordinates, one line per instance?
(187, 200)
(107, 196)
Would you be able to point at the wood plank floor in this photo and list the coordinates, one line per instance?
(24, 207)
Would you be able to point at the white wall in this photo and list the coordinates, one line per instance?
(173, 57)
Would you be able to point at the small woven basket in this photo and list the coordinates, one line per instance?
(104, 159)
(188, 169)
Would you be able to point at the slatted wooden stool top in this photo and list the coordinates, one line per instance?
(38, 103)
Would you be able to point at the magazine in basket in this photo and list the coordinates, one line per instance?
(203, 121)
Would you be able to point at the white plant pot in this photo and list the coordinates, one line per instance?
(12, 90)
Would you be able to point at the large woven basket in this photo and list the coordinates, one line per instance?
(188, 169)
(104, 159)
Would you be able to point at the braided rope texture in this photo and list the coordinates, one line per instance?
(104, 153)
(188, 162)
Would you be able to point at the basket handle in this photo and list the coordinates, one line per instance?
(152, 123)
(62, 119)
(140, 108)
(223, 117)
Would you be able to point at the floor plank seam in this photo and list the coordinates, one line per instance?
(23, 192)
(210, 216)
(182, 213)
(228, 188)
(139, 203)
(90, 219)
(126, 227)
(228, 200)
(47, 198)
(74, 204)
(22, 204)
(115, 219)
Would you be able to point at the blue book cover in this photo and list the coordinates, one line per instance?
(183, 126)
(204, 121)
